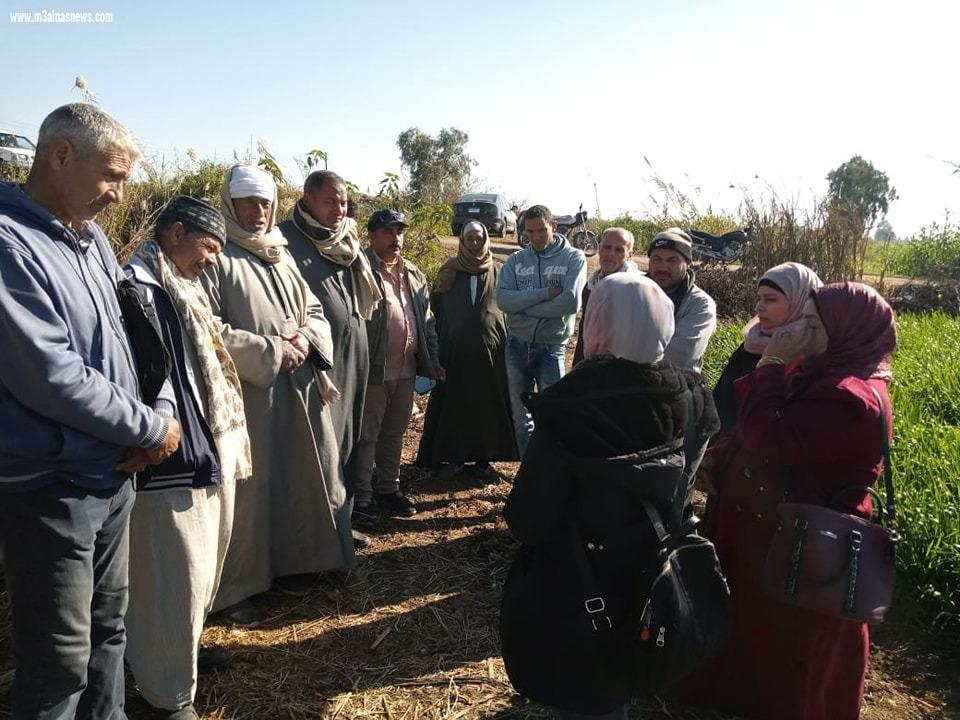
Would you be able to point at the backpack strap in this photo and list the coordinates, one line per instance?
(594, 605)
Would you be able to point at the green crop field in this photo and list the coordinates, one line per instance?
(926, 459)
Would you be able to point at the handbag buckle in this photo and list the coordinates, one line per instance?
(856, 540)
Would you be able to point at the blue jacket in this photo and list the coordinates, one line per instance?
(69, 399)
(523, 291)
(195, 464)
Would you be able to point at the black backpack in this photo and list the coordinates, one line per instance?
(681, 616)
(577, 633)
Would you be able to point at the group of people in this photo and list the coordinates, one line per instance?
(796, 413)
(250, 449)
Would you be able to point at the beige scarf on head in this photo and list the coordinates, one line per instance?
(224, 412)
(465, 261)
(342, 247)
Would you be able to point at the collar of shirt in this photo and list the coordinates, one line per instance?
(384, 267)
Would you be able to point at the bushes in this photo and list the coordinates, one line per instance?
(129, 222)
(934, 253)
(830, 240)
(734, 291)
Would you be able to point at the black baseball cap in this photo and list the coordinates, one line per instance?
(383, 218)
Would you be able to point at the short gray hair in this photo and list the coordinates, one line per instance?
(88, 129)
(624, 234)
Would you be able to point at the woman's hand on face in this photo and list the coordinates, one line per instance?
(789, 344)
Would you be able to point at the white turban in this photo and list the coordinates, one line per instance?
(252, 181)
(629, 317)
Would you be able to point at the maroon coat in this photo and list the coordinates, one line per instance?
(782, 662)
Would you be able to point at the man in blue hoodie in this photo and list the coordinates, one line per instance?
(74, 427)
(539, 290)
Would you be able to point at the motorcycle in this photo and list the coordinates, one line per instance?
(573, 228)
(719, 248)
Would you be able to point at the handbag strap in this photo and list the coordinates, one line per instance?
(891, 509)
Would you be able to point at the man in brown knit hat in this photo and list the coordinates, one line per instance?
(694, 312)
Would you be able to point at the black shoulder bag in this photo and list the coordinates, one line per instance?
(143, 328)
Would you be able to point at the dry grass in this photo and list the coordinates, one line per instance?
(412, 634)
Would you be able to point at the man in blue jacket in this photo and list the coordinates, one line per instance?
(539, 290)
(74, 427)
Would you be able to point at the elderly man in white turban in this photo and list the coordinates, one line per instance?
(291, 519)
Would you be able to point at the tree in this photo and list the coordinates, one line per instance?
(858, 185)
(884, 232)
(439, 168)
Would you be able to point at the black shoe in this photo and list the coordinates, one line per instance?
(395, 505)
(488, 472)
(360, 540)
(184, 713)
(213, 658)
(364, 515)
(446, 472)
(244, 613)
(296, 585)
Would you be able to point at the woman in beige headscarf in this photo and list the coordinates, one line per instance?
(468, 417)
(781, 294)
(291, 518)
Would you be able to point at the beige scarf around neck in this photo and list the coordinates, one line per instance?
(342, 247)
(224, 408)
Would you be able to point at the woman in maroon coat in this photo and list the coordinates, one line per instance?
(808, 407)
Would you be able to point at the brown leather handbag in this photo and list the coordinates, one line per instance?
(835, 563)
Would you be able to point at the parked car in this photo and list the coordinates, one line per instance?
(489, 208)
(16, 150)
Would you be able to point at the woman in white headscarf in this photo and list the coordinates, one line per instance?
(579, 485)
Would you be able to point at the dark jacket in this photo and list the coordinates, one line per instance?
(428, 346)
(69, 398)
(580, 483)
(740, 363)
(195, 463)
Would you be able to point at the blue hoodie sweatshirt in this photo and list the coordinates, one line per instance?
(69, 398)
(523, 291)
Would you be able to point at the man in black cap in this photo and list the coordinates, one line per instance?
(182, 517)
(403, 344)
(694, 312)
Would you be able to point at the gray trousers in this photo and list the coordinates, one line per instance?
(386, 414)
(66, 572)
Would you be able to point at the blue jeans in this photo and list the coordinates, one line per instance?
(66, 570)
(530, 366)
